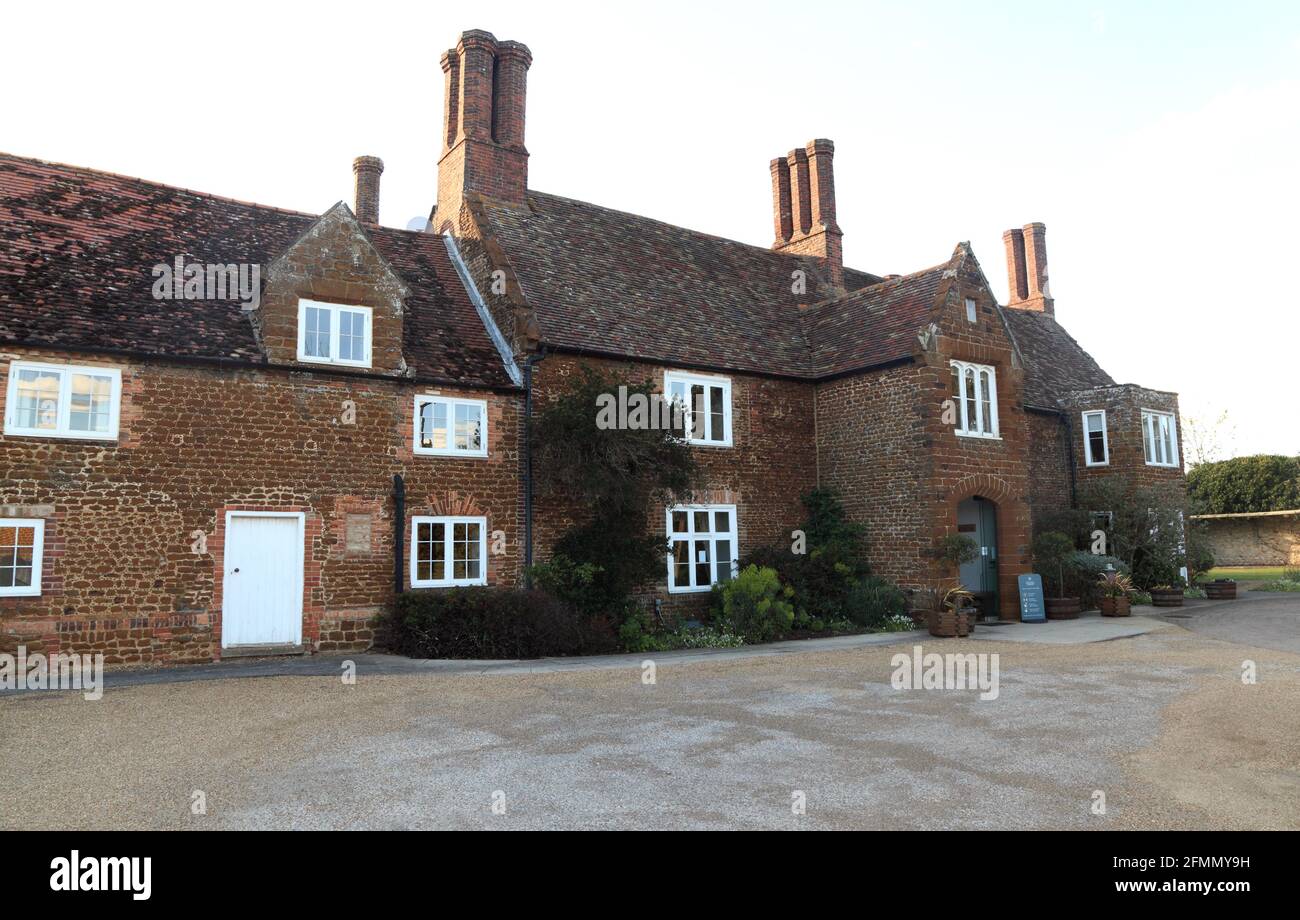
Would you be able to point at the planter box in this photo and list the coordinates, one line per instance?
(949, 624)
(1220, 590)
(1173, 598)
(1063, 608)
(1116, 606)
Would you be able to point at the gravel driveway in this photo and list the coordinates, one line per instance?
(1161, 724)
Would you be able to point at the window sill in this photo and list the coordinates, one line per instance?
(59, 436)
(975, 436)
(330, 362)
(725, 444)
(428, 585)
(455, 454)
(1164, 466)
(704, 590)
(11, 592)
(1093, 466)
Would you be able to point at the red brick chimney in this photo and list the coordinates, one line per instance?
(368, 171)
(803, 206)
(483, 124)
(1027, 268)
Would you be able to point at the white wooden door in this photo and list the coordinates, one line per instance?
(262, 587)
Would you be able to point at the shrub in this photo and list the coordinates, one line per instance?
(1052, 552)
(1083, 571)
(1244, 484)
(618, 473)
(872, 601)
(490, 623)
(1284, 585)
(755, 605)
(571, 582)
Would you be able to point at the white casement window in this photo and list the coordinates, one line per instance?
(701, 546)
(706, 405)
(21, 542)
(976, 388)
(62, 401)
(1159, 438)
(1096, 444)
(449, 427)
(448, 551)
(333, 333)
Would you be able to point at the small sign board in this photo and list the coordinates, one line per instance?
(1032, 608)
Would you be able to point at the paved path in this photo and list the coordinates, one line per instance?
(1262, 619)
(1089, 628)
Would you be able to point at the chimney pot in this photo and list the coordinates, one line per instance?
(1027, 268)
(803, 206)
(367, 170)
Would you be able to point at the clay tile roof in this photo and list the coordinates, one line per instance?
(871, 326)
(608, 282)
(77, 248)
(1055, 364)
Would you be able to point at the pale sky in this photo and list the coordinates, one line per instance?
(1158, 141)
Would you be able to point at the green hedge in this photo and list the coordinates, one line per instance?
(492, 623)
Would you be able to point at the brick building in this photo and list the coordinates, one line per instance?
(190, 474)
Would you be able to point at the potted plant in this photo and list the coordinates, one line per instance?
(1115, 590)
(1166, 596)
(1221, 589)
(949, 616)
(1051, 552)
(958, 550)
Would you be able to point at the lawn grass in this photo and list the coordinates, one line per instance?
(1247, 573)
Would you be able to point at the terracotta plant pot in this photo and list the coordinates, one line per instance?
(1220, 590)
(1167, 597)
(1116, 607)
(1063, 608)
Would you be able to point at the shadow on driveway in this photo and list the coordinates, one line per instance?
(1262, 619)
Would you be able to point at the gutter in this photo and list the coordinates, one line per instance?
(260, 365)
(399, 532)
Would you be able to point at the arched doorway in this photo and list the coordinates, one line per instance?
(977, 518)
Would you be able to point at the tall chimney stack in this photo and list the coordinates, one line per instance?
(366, 203)
(486, 83)
(1027, 268)
(803, 206)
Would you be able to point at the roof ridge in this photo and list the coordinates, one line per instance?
(156, 184)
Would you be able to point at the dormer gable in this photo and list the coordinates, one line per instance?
(332, 301)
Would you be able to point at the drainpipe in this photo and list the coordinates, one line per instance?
(535, 358)
(399, 532)
(1069, 456)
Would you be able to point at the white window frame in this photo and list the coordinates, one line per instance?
(451, 402)
(706, 381)
(448, 551)
(692, 535)
(967, 427)
(1105, 439)
(335, 332)
(972, 310)
(65, 401)
(1150, 426)
(38, 557)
